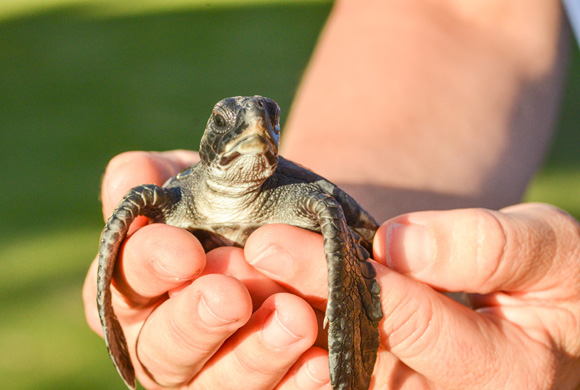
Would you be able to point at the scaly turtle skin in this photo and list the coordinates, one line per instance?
(239, 185)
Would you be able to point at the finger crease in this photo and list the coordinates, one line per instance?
(183, 339)
(248, 364)
(498, 259)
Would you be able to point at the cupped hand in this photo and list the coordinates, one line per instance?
(520, 266)
(196, 321)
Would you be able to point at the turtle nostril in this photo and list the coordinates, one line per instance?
(254, 102)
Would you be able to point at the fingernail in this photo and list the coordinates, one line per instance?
(274, 260)
(409, 247)
(208, 316)
(277, 334)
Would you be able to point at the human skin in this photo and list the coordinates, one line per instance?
(521, 331)
(431, 104)
(468, 93)
(520, 264)
(178, 306)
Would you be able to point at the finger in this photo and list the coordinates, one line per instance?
(90, 299)
(293, 257)
(449, 344)
(230, 261)
(481, 251)
(131, 169)
(309, 373)
(186, 330)
(389, 369)
(260, 354)
(420, 326)
(154, 260)
(426, 331)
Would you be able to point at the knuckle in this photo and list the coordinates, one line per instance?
(490, 246)
(567, 222)
(123, 166)
(551, 238)
(92, 317)
(127, 158)
(187, 336)
(89, 295)
(117, 179)
(478, 243)
(557, 218)
(255, 365)
(413, 329)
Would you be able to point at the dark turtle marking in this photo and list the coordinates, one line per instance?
(239, 185)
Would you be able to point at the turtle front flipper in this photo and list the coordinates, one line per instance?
(153, 202)
(353, 310)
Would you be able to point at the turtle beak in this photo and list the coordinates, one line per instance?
(255, 133)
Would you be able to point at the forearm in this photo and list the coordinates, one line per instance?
(422, 105)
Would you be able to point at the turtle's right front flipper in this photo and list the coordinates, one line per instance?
(354, 309)
(148, 200)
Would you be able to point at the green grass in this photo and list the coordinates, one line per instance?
(81, 81)
(100, 8)
(43, 334)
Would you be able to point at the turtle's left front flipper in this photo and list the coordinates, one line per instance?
(153, 202)
(353, 310)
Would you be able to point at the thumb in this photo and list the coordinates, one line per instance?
(433, 335)
(527, 252)
(481, 251)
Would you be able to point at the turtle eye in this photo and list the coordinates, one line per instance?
(219, 121)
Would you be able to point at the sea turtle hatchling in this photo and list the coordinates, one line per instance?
(239, 185)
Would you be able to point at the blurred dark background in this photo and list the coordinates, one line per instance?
(82, 83)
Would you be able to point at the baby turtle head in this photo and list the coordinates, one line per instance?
(240, 143)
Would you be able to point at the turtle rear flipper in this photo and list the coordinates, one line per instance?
(148, 200)
(354, 309)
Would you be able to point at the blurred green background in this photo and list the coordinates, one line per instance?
(81, 81)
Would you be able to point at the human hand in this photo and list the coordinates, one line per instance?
(521, 266)
(186, 314)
